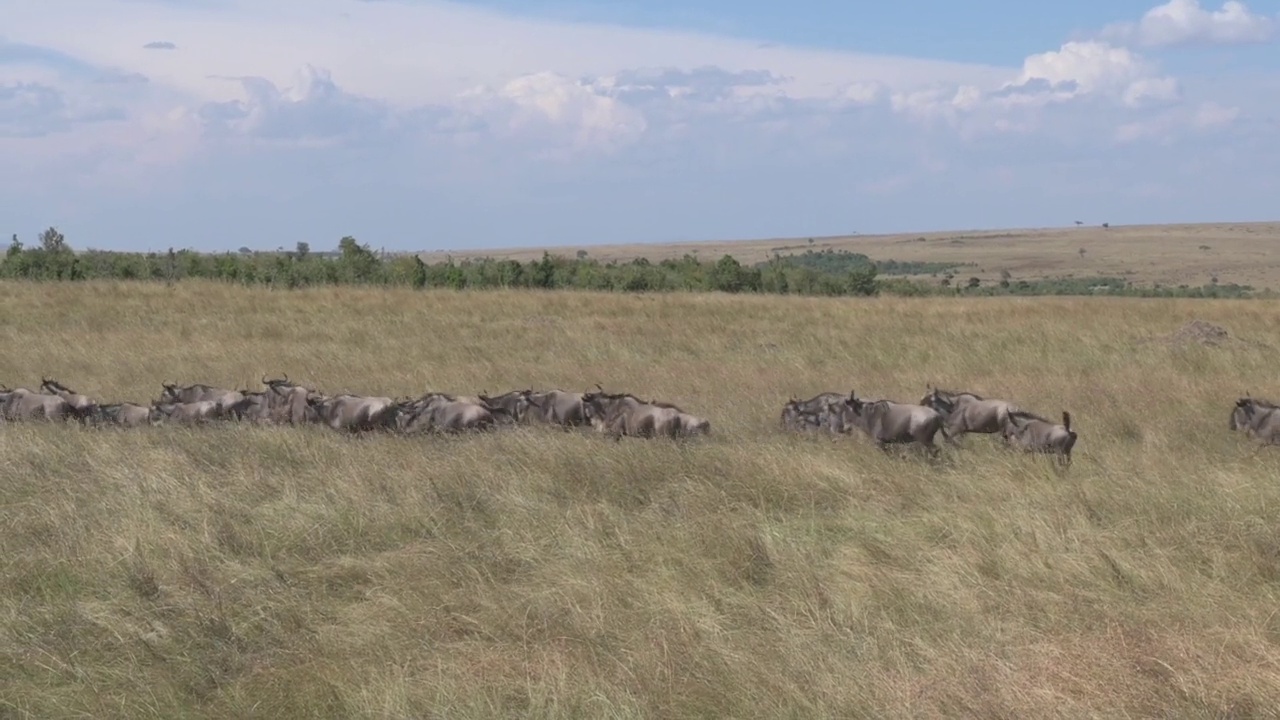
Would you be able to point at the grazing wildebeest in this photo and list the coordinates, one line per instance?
(1257, 418)
(186, 413)
(355, 413)
(199, 393)
(516, 406)
(125, 414)
(618, 414)
(445, 413)
(966, 412)
(23, 404)
(891, 423)
(82, 407)
(1035, 434)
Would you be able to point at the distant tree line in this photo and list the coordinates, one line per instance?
(839, 273)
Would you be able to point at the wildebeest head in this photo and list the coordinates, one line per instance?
(1245, 413)
(170, 392)
(1240, 413)
(943, 401)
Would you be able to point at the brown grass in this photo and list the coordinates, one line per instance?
(296, 573)
(1171, 255)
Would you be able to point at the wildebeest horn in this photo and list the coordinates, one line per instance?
(599, 388)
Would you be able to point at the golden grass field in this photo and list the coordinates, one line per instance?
(1172, 255)
(241, 572)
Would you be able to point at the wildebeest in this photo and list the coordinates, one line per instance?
(171, 393)
(559, 407)
(619, 414)
(252, 407)
(186, 413)
(355, 413)
(515, 406)
(813, 413)
(1035, 434)
(445, 413)
(687, 423)
(82, 407)
(22, 404)
(966, 412)
(125, 414)
(891, 423)
(288, 402)
(1257, 418)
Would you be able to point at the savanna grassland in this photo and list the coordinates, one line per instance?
(297, 573)
(1170, 255)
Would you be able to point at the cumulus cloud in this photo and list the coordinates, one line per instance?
(1185, 22)
(411, 97)
(311, 110)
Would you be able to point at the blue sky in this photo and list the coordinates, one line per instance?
(418, 125)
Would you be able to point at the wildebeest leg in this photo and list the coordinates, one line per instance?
(952, 438)
(1262, 445)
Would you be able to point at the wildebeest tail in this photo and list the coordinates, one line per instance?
(1066, 421)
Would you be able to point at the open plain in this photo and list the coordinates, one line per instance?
(289, 572)
(1187, 254)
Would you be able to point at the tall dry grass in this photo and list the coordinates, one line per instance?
(296, 573)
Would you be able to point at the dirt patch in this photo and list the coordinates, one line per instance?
(1204, 334)
(1199, 332)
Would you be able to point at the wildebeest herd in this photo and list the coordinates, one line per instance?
(953, 414)
(283, 402)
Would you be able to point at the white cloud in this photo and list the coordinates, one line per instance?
(1210, 115)
(298, 99)
(1185, 22)
(1079, 68)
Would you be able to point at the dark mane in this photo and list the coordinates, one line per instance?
(1027, 414)
(50, 382)
(661, 404)
(954, 393)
